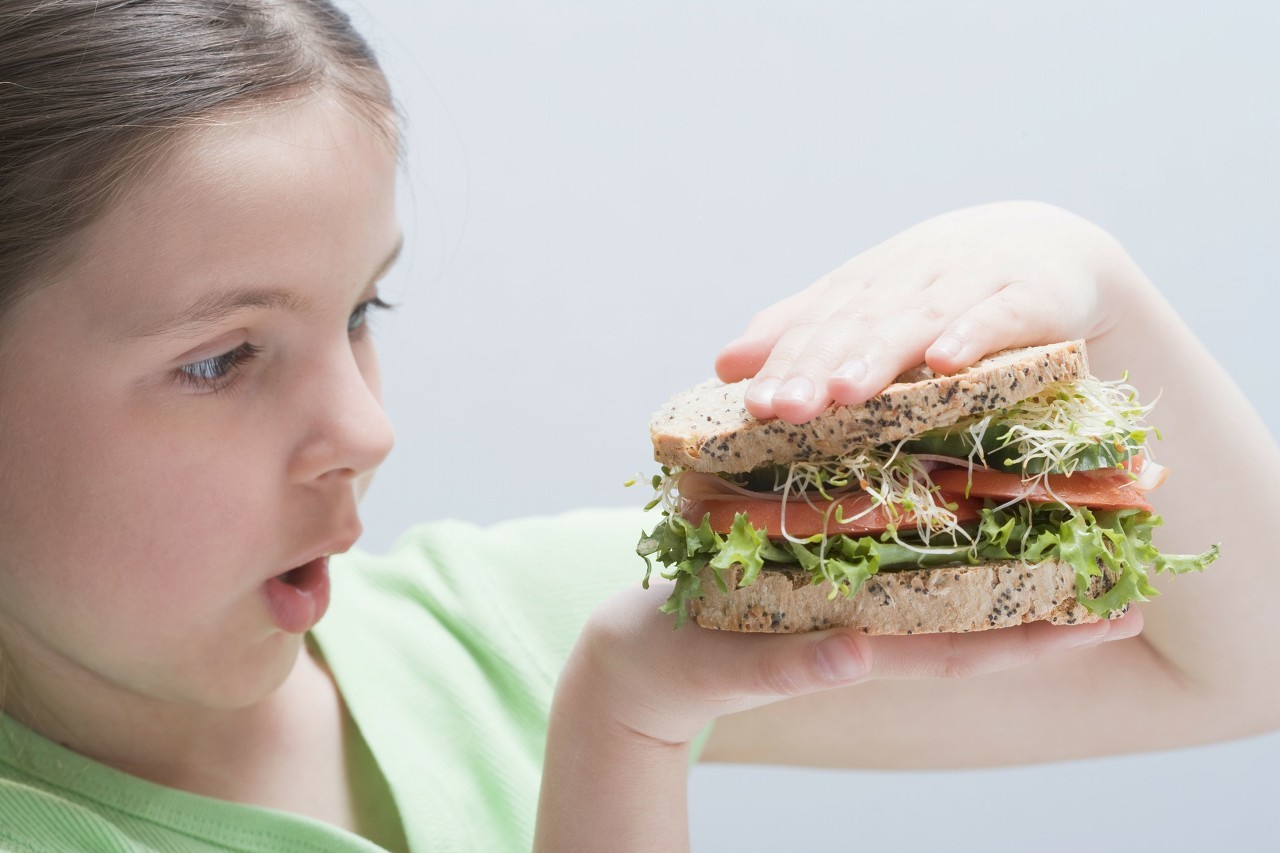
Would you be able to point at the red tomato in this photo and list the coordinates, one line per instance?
(1099, 491)
(804, 520)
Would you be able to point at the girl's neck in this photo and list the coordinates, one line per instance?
(224, 753)
(296, 751)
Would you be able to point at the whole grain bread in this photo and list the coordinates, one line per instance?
(707, 428)
(922, 601)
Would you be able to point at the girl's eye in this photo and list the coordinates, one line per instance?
(217, 372)
(211, 372)
(356, 321)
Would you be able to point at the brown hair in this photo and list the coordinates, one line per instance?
(94, 92)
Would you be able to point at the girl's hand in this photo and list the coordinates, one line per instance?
(635, 692)
(945, 292)
(666, 685)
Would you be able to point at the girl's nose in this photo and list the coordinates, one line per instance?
(347, 429)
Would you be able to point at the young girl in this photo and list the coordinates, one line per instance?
(196, 204)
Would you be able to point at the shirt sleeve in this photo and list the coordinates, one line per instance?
(528, 585)
(535, 580)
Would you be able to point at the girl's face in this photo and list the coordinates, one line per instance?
(193, 408)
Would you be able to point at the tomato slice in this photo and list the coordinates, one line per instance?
(804, 520)
(1099, 491)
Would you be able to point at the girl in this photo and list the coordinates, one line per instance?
(197, 202)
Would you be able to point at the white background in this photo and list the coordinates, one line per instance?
(599, 194)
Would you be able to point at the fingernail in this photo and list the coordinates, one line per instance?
(852, 372)
(1123, 629)
(948, 345)
(799, 390)
(762, 391)
(839, 660)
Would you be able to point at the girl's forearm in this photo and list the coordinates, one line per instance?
(1216, 630)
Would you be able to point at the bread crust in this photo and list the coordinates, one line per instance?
(707, 428)
(952, 599)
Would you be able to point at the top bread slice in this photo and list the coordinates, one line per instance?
(708, 428)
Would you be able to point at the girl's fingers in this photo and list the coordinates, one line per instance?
(736, 672)
(789, 326)
(797, 337)
(982, 652)
(777, 666)
(878, 354)
(862, 347)
(791, 385)
(866, 344)
(1017, 314)
(745, 355)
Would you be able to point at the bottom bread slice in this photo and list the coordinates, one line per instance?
(951, 599)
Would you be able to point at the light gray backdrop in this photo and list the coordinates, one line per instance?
(599, 194)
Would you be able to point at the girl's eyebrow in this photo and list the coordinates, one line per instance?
(213, 308)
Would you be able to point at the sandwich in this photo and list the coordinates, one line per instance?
(1015, 490)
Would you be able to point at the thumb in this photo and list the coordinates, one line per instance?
(776, 666)
(714, 673)
(668, 684)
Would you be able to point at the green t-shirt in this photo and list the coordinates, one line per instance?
(446, 652)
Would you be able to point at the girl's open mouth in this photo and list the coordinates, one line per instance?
(299, 597)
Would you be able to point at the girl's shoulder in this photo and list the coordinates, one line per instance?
(39, 819)
(54, 799)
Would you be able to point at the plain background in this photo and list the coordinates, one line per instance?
(599, 194)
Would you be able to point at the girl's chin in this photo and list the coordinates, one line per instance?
(251, 678)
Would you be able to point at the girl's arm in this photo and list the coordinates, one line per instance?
(1204, 668)
(634, 692)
